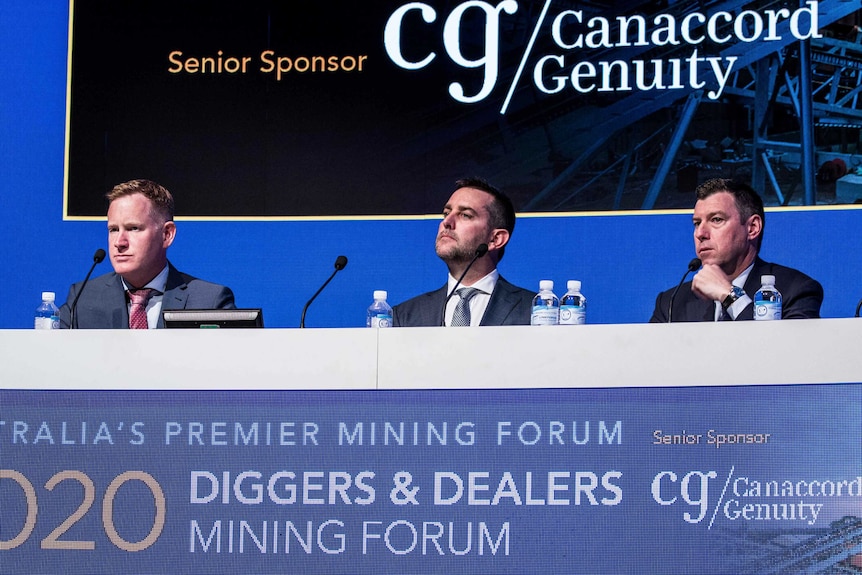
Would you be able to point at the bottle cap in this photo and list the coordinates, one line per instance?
(48, 296)
(573, 285)
(767, 280)
(546, 285)
(380, 294)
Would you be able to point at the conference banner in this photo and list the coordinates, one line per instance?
(267, 108)
(744, 479)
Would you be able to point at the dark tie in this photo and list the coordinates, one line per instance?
(724, 316)
(138, 312)
(461, 317)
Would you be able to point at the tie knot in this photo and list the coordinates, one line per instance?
(467, 293)
(140, 296)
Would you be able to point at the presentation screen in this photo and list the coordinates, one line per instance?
(267, 108)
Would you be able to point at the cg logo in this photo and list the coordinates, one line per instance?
(452, 42)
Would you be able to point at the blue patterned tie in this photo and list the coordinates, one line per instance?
(461, 317)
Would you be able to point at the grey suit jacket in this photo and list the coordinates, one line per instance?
(103, 303)
(801, 297)
(509, 305)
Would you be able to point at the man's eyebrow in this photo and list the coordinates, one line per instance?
(708, 215)
(466, 209)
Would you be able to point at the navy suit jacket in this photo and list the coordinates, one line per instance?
(801, 297)
(103, 302)
(509, 305)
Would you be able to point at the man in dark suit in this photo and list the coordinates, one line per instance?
(476, 213)
(728, 230)
(143, 283)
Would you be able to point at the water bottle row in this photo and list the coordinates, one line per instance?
(48, 316)
(548, 309)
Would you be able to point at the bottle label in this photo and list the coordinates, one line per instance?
(767, 310)
(545, 315)
(573, 315)
(52, 322)
(380, 320)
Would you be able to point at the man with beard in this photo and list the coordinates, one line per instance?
(476, 213)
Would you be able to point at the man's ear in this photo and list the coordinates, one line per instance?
(169, 232)
(499, 238)
(755, 226)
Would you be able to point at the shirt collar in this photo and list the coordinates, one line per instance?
(739, 281)
(158, 283)
(485, 285)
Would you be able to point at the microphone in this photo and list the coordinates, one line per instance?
(98, 258)
(858, 307)
(340, 264)
(692, 266)
(481, 250)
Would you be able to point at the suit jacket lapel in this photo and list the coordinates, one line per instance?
(433, 315)
(752, 284)
(117, 305)
(176, 292)
(501, 304)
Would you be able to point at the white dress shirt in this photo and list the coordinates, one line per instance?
(478, 303)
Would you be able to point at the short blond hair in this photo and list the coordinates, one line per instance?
(161, 200)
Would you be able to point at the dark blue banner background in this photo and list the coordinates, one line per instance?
(526, 481)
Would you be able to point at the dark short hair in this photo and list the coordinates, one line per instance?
(748, 202)
(502, 211)
(161, 199)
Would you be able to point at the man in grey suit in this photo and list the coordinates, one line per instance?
(477, 213)
(143, 283)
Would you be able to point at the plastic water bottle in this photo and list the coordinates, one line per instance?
(47, 314)
(767, 300)
(573, 306)
(546, 306)
(379, 312)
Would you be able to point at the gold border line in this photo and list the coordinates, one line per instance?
(683, 211)
(549, 215)
(66, 149)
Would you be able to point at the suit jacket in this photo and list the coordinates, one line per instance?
(509, 305)
(103, 302)
(801, 297)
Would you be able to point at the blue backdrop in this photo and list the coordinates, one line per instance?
(623, 260)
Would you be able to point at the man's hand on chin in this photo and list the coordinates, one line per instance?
(711, 283)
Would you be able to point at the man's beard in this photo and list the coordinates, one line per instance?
(455, 252)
